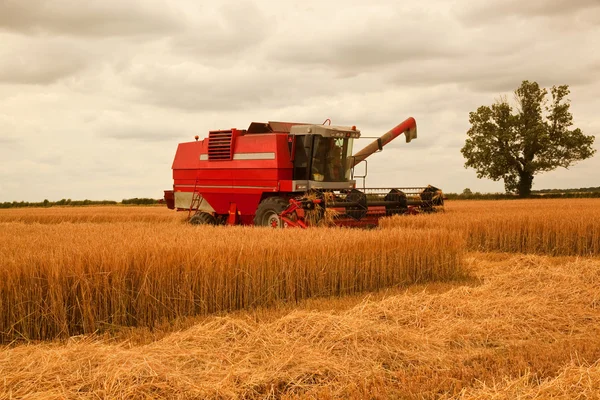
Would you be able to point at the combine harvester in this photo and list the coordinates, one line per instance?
(285, 174)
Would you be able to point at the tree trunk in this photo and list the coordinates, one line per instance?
(525, 184)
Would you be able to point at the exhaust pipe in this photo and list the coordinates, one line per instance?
(408, 127)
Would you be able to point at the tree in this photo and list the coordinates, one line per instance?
(515, 146)
(467, 192)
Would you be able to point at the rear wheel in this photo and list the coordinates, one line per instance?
(203, 218)
(267, 213)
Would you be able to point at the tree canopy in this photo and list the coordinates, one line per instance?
(516, 144)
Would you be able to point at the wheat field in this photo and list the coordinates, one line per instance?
(555, 227)
(490, 299)
(64, 279)
(524, 327)
(91, 214)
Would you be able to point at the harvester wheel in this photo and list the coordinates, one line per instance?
(267, 213)
(203, 218)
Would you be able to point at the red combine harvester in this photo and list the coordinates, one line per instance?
(285, 174)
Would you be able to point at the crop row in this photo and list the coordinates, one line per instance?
(58, 280)
(553, 227)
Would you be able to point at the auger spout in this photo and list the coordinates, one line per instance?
(408, 127)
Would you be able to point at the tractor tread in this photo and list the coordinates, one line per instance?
(267, 206)
(203, 218)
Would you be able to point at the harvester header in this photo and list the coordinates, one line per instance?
(288, 174)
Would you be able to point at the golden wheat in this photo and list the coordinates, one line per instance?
(93, 214)
(554, 227)
(63, 279)
(514, 332)
(524, 327)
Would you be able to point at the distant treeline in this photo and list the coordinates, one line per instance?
(140, 201)
(591, 192)
(580, 190)
(74, 203)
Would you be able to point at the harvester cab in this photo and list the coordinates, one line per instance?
(286, 174)
(322, 156)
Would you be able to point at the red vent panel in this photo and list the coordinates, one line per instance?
(220, 145)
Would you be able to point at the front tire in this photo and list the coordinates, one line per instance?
(267, 213)
(203, 218)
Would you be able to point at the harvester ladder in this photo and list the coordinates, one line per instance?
(196, 200)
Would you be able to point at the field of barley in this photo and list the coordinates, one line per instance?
(489, 299)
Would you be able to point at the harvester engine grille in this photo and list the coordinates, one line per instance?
(220, 145)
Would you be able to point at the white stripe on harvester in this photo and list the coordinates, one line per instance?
(225, 187)
(254, 156)
(245, 156)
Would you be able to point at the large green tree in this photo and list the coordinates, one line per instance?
(515, 145)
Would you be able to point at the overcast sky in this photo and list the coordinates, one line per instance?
(95, 95)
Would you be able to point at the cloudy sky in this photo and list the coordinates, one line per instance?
(95, 95)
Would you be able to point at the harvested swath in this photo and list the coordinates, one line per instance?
(573, 382)
(554, 227)
(68, 279)
(523, 327)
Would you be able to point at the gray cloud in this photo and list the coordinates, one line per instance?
(89, 18)
(231, 29)
(496, 9)
(369, 43)
(194, 87)
(39, 61)
(9, 134)
(6, 141)
(493, 74)
(143, 134)
(50, 159)
(135, 125)
(35, 71)
(95, 96)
